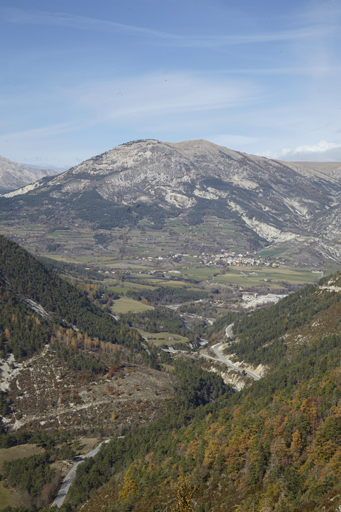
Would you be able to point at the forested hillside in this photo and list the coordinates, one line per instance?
(275, 446)
(263, 337)
(23, 277)
(76, 372)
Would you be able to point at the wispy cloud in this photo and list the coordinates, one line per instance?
(155, 96)
(323, 151)
(86, 23)
(45, 131)
(295, 70)
(35, 146)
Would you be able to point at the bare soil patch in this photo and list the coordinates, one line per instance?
(46, 394)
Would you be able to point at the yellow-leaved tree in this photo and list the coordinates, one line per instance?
(184, 495)
(129, 486)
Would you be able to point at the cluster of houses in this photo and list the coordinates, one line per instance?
(222, 259)
(232, 258)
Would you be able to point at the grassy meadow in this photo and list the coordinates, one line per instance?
(125, 304)
(160, 338)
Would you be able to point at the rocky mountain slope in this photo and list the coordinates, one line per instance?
(150, 181)
(79, 367)
(14, 175)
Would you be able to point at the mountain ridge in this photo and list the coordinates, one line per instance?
(14, 175)
(150, 181)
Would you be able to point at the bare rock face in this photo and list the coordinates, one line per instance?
(14, 176)
(150, 180)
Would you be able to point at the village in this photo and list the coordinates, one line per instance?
(221, 259)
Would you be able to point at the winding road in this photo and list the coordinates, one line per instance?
(221, 358)
(228, 363)
(58, 502)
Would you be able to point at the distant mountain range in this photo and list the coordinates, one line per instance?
(295, 204)
(14, 175)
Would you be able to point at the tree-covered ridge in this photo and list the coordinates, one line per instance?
(67, 304)
(31, 279)
(22, 331)
(333, 280)
(260, 334)
(275, 446)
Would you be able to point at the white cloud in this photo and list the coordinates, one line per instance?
(320, 147)
(323, 151)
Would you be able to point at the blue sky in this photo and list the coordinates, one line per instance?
(80, 77)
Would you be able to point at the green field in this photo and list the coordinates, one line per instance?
(159, 338)
(198, 273)
(273, 252)
(78, 244)
(7, 497)
(256, 276)
(123, 287)
(125, 304)
(120, 290)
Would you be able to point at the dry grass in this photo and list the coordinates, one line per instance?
(87, 444)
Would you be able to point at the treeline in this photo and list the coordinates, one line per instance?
(40, 438)
(261, 327)
(167, 295)
(89, 206)
(71, 269)
(92, 207)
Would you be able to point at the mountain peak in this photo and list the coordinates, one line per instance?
(150, 180)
